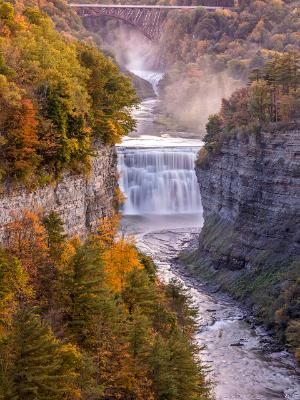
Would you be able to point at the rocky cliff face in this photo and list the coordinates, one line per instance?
(80, 201)
(250, 241)
(250, 191)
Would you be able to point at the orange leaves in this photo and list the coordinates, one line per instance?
(119, 254)
(26, 239)
(23, 141)
(108, 229)
(119, 259)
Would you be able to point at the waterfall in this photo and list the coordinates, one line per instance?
(159, 180)
(151, 76)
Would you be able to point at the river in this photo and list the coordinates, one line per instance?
(163, 210)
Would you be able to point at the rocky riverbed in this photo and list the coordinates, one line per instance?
(245, 363)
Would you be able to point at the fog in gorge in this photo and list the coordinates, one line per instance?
(188, 96)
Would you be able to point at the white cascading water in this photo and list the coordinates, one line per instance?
(157, 173)
(151, 76)
(159, 180)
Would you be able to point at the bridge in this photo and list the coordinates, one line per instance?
(147, 18)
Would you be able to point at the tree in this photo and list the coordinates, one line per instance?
(213, 130)
(112, 96)
(26, 238)
(14, 290)
(163, 382)
(42, 367)
(119, 259)
(139, 293)
(22, 143)
(181, 303)
(86, 294)
(187, 375)
(56, 234)
(148, 265)
(259, 100)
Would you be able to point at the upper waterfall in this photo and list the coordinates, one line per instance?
(159, 180)
(151, 76)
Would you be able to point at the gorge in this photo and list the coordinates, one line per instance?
(232, 340)
(142, 258)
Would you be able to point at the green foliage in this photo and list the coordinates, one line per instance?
(128, 344)
(56, 234)
(149, 265)
(162, 378)
(210, 54)
(181, 303)
(273, 95)
(214, 130)
(40, 366)
(57, 96)
(86, 293)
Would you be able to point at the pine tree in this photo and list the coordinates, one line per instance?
(56, 234)
(164, 385)
(86, 292)
(181, 303)
(43, 369)
(139, 292)
(188, 376)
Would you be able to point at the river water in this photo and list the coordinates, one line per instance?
(163, 210)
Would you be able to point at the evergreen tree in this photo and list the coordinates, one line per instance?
(181, 303)
(139, 292)
(56, 234)
(42, 368)
(164, 385)
(87, 294)
(148, 264)
(187, 375)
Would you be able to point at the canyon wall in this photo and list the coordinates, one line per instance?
(250, 241)
(80, 201)
(250, 192)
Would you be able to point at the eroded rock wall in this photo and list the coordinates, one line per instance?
(80, 201)
(250, 191)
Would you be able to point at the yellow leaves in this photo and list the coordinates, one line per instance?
(26, 238)
(119, 259)
(119, 255)
(119, 198)
(69, 251)
(14, 287)
(108, 229)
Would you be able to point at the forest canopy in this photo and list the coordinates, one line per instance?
(57, 96)
(89, 320)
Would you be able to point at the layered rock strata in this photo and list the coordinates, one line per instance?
(79, 200)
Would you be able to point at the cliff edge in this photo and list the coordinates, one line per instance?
(79, 200)
(250, 242)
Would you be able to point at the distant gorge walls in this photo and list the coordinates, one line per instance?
(80, 201)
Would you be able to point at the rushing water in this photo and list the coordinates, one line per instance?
(163, 210)
(159, 181)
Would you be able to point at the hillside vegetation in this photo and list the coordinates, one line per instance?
(272, 97)
(57, 95)
(208, 55)
(88, 320)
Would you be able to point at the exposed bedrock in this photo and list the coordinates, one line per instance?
(250, 191)
(79, 200)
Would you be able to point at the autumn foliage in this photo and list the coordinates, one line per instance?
(57, 96)
(88, 320)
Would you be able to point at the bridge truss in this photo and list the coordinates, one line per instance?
(147, 18)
